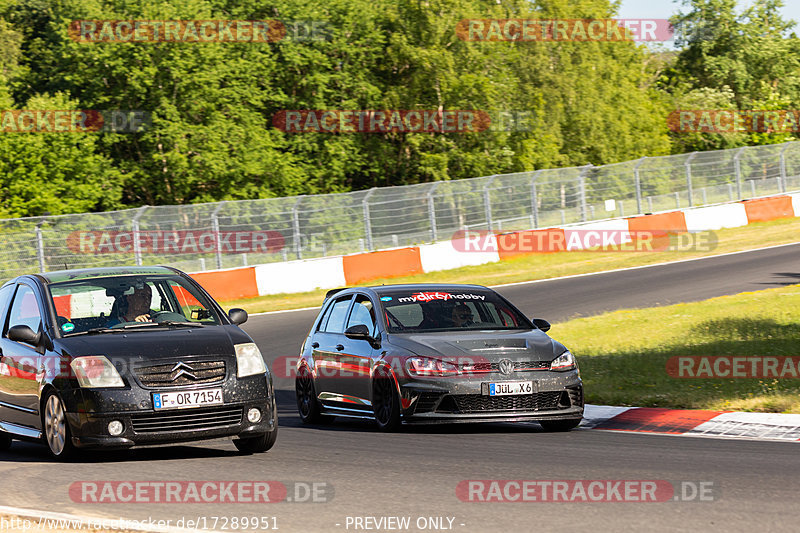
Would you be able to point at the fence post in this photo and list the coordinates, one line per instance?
(534, 199)
(638, 184)
(296, 228)
(367, 221)
(40, 245)
(737, 167)
(487, 202)
(215, 229)
(582, 190)
(689, 177)
(137, 246)
(783, 168)
(432, 210)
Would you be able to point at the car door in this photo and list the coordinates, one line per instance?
(355, 361)
(328, 344)
(20, 363)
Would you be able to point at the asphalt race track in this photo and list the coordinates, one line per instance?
(415, 473)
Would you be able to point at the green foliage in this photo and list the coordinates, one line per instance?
(731, 60)
(54, 173)
(211, 135)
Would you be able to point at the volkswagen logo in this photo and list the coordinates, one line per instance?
(182, 370)
(506, 366)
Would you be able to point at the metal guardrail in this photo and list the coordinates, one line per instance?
(334, 224)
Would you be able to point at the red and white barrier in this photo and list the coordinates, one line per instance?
(330, 272)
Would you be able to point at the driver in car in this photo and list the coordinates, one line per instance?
(462, 316)
(134, 307)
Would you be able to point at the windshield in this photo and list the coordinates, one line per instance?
(447, 310)
(126, 302)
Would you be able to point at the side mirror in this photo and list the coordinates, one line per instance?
(358, 332)
(24, 334)
(541, 323)
(237, 316)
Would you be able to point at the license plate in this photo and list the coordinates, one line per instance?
(187, 399)
(510, 388)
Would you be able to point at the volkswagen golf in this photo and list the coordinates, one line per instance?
(434, 354)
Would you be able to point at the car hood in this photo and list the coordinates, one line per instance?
(489, 345)
(156, 344)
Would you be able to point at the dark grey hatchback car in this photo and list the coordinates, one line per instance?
(117, 357)
(435, 354)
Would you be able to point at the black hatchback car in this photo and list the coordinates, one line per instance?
(434, 353)
(117, 357)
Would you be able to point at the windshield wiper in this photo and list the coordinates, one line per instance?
(92, 331)
(165, 323)
(176, 323)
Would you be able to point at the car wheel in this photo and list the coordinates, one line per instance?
(385, 401)
(5, 442)
(560, 425)
(307, 404)
(257, 444)
(57, 435)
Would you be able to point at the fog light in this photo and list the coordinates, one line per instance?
(115, 428)
(253, 415)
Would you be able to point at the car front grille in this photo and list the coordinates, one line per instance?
(179, 374)
(186, 420)
(519, 366)
(478, 403)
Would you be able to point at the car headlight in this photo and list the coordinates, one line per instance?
(427, 366)
(248, 360)
(565, 361)
(95, 371)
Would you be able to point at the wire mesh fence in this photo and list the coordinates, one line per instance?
(230, 234)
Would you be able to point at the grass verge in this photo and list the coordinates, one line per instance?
(544, 266)
(623, 354)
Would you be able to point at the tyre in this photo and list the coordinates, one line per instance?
(56, 433)
(5, 442)
(307, 403)
(257, 444)
(385, 401)
(560, 425)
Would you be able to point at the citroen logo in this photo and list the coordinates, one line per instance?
(506, 366)
(183, 370)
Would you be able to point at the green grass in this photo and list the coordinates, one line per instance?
(543, 266)
(623, 354)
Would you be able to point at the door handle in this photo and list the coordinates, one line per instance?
(315, 344)
(339, 347)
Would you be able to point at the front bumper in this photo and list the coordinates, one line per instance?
(89, 412)
(557, 396)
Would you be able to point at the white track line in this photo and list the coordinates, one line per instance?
(647, 266)
(581, 275)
